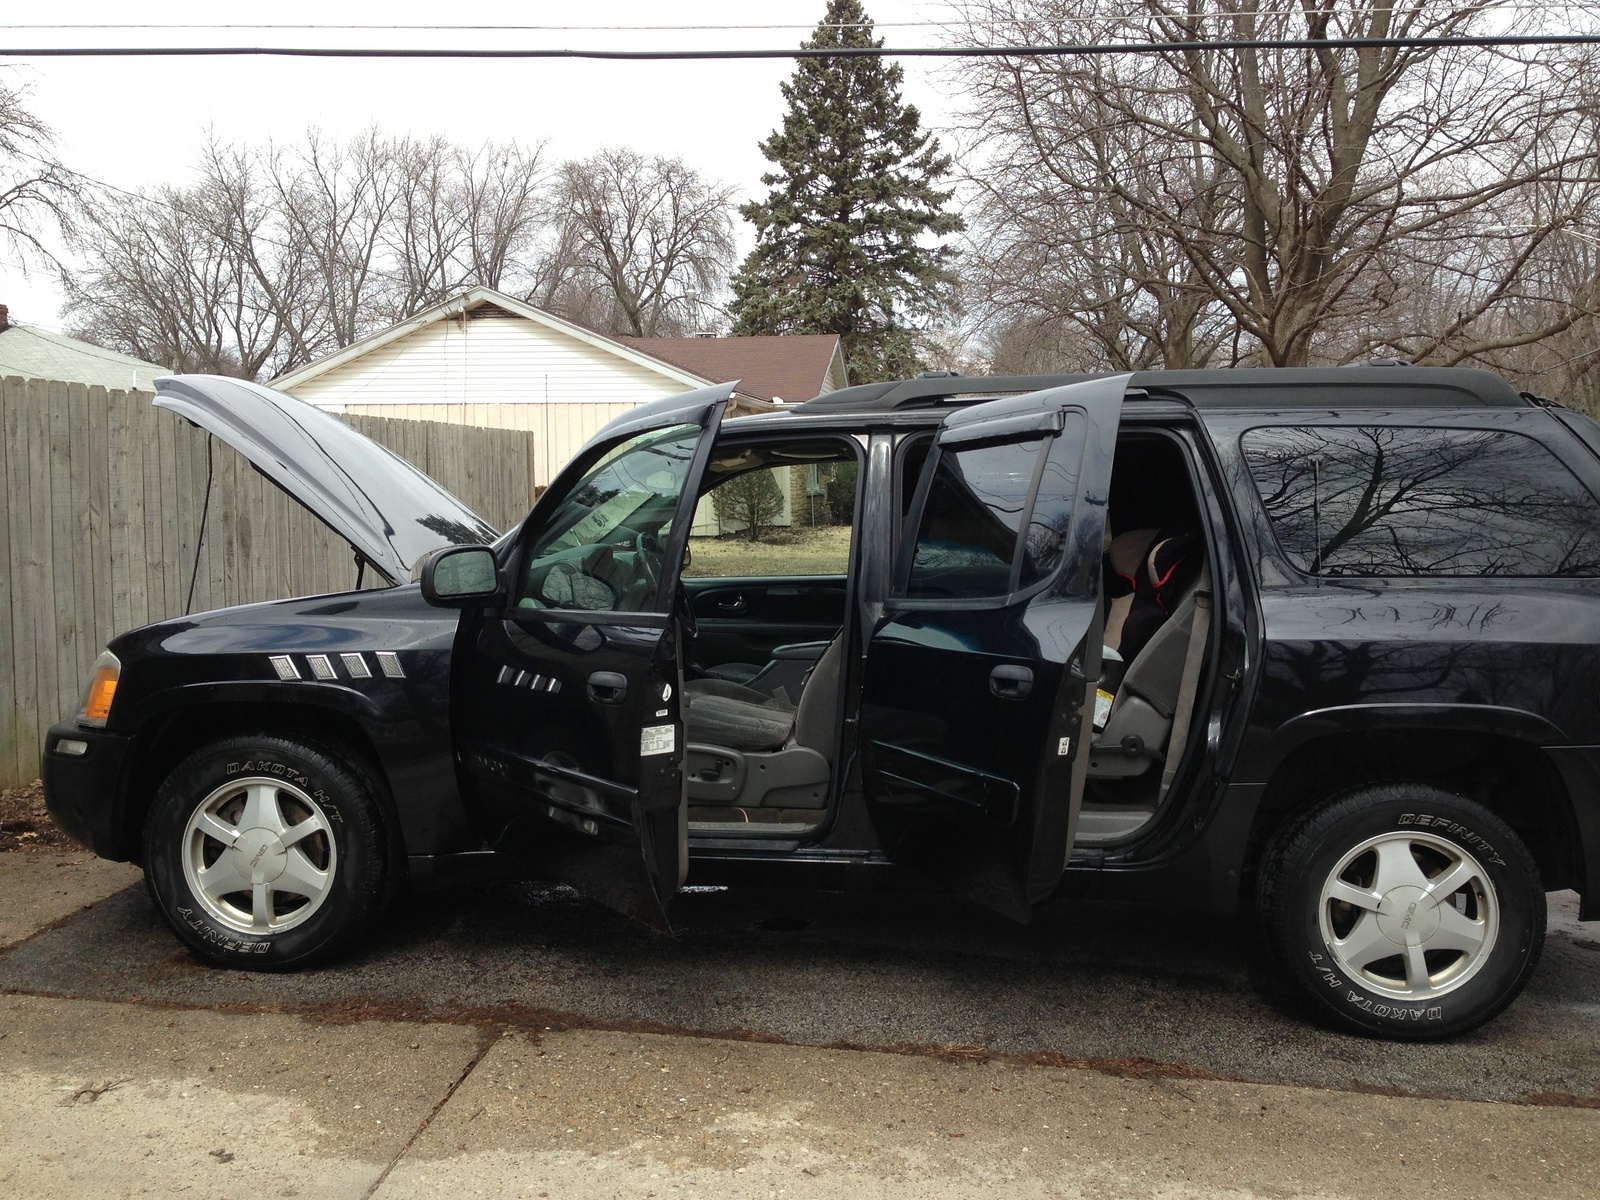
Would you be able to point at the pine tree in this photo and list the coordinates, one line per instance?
(840, 237)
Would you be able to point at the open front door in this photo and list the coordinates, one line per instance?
(566, 700)
(978, 677)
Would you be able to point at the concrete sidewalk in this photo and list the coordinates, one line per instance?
(124, 1100)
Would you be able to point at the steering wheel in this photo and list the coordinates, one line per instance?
(647, 552)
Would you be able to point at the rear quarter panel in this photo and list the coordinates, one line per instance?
(1514, 656)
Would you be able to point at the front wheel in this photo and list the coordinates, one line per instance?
(1404, 910)
(266, 852)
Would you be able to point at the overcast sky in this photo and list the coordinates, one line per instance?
(138, 122)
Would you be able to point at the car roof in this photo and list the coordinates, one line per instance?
(1386, 386)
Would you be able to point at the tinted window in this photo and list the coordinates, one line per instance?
(912, 459)
(600, 547)
(1398, 501)
(976, 506)
(1052, 509)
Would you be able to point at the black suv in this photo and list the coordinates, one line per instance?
(1325, 640)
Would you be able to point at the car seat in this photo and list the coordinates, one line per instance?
(752, 749)
(1148, 572)
(1163, 654)
(1124, 558)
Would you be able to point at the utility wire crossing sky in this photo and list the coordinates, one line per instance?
(1071, 49)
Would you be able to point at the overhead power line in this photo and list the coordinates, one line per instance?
(1069, 50)
(372, 27)
(1224, 15)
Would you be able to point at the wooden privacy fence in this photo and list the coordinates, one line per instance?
(104, 496)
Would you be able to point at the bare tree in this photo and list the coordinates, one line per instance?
(1276, 206)
(464, 218)
(643, 244)
(38, 195)
(278, 255)
(336, 202)
(166, 283)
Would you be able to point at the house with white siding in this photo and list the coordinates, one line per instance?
(484, 358)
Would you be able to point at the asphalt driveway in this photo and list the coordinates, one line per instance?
(1126, 988)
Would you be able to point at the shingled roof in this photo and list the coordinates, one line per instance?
(793, 367)
(36, 353)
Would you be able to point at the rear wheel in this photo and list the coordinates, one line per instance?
(266, 852)
(1404, 910)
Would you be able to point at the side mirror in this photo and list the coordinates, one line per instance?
(461, 576)
(687, 557)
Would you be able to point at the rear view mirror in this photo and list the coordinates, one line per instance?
(461, 575)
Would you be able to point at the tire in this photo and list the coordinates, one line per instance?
(1363, 875)
(295, 824)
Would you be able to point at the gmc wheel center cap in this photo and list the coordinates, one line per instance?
(262, 856)
(1408, 915)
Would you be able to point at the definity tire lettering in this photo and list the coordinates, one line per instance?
(1455, 829)
(221, 940)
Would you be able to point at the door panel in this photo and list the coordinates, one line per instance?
(555, 754)
(566, 696)
(978, 677)
(743, 620)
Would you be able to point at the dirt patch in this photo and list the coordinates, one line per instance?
(1560, 1100)
(24, 823)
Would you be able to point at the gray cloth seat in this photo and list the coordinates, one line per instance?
(751, 749)
(735, 672)
(1141, 717)
(724, 713)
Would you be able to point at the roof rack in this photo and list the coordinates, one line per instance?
(932, 388)
(1391, 384)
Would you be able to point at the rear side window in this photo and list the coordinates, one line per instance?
(1394, 501)
(995, 519)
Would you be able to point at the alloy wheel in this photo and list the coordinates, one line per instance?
(1409, 914)
(259, 855)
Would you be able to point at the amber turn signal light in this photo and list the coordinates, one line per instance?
(100, 692)
(97, 702)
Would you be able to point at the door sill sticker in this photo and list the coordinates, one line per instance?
(657, 739)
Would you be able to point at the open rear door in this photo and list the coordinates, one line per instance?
(979, 677)
(566, 699)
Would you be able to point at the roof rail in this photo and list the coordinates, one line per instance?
(928, 390)
(1393, 385)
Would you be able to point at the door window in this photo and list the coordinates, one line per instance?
(1394, 501)
(791, 519)
(601, 546)
(989, 527)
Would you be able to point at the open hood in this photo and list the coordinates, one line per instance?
(390, 512)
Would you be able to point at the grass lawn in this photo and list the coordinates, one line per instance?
(821, 551)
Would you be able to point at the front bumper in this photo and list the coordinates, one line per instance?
(85, 791)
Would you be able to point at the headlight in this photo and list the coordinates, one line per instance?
(102, 687)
